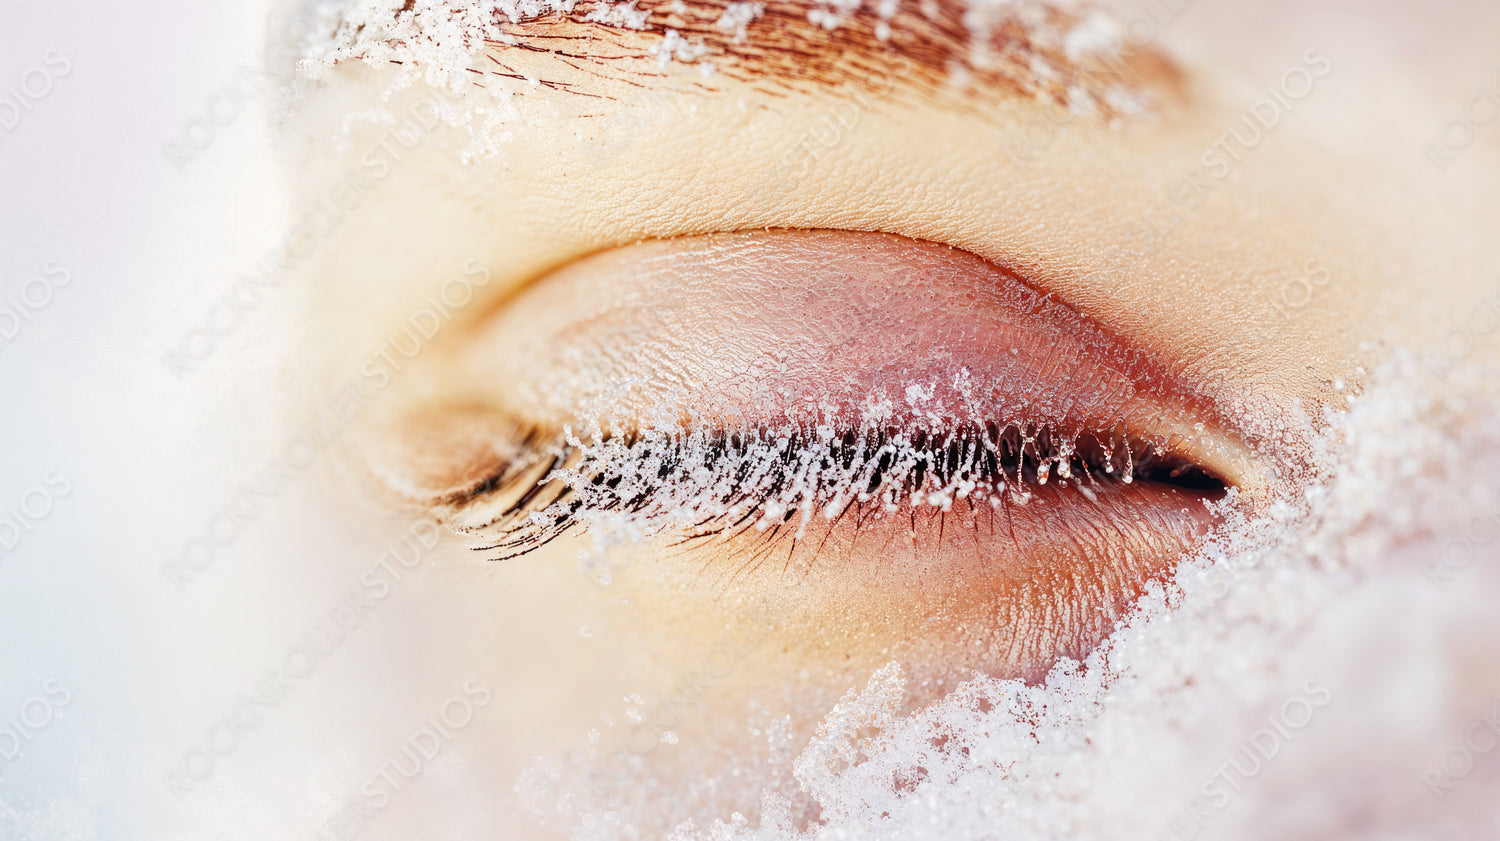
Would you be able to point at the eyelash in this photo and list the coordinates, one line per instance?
(716, 483)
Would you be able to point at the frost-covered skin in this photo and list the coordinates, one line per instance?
(1264, 273)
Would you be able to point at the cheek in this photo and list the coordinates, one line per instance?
(1004, 589)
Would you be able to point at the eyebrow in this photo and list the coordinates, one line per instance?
(963, 50)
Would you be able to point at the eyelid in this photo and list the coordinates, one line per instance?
(496, 438)
(769, 327)
(504, 209)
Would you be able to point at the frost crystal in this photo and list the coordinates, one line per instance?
(737, 17)
(1224, 695)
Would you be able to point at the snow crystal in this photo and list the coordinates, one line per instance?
(1218, 705)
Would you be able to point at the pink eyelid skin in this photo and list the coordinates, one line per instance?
(769, 327)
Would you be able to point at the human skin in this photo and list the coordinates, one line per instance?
(1273, 287)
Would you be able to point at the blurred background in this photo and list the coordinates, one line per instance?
(137, 182)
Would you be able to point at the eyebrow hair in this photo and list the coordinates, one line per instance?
(966, 50)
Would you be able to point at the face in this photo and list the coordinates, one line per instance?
(764, 350)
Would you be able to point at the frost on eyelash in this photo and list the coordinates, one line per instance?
(933, 443)
(707, 480)
(1286, 683)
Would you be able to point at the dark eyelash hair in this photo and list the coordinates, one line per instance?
(708, 482)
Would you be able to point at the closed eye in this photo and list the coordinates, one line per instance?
(808, 325)
(872, 412)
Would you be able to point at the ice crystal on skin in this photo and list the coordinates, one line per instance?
(837, 746)
(831, 14)
(1097, 34)
(737, 18)
(438, 37)
(623, 15)
(674, 47)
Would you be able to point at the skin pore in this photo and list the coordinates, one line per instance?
(1263, 268)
